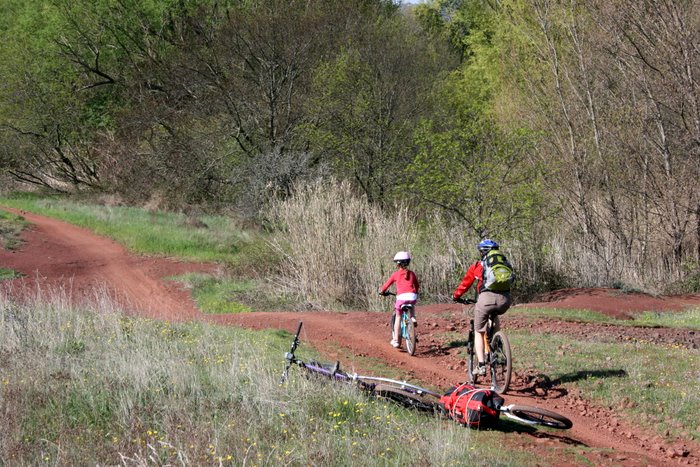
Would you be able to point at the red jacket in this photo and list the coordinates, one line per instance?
(403, 284)
(474, 273)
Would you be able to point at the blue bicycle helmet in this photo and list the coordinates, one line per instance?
(487, 245)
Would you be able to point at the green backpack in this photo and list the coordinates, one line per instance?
(498, 273)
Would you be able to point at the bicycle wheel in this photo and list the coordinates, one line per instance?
(422, 402)
(501, 363)
(537, 416)
(409, 334)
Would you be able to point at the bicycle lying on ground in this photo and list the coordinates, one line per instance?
(410, 395)
(408, 326)
(497, 355)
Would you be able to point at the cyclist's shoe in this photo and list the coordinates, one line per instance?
(394, 344)
(480, 370)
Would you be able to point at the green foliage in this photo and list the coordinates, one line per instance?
(367, 99)
(477, 173)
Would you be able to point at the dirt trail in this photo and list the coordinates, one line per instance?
(57, 253)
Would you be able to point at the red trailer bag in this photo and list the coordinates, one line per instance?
(471, 406)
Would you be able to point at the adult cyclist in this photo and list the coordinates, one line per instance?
(493, 275)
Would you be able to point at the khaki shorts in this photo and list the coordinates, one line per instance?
(490, 303)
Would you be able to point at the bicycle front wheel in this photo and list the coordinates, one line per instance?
(538, 416)
(501, 363)
(409, 335)
(411, 400)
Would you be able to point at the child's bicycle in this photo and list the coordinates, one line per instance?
(497, 355)
(412, 396)
(408, 326)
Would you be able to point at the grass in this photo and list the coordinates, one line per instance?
(88, 385)
(7, 274)
(676, 319)
(11, 227)
(223, 295)
(214, 295)
(213, 238)
(654, 386)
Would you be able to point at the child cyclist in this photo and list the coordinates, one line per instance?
(406, 289)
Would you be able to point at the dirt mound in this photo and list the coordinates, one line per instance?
(613, 302)
(60, 254)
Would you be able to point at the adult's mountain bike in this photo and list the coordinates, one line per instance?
(497, 354)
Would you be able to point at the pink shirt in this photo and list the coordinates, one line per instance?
(403, 284)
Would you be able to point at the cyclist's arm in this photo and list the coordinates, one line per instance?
(388, 283)
(469, 278)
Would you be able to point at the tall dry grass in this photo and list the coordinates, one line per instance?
(338, 248)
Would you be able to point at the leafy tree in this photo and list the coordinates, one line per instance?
(368, 100)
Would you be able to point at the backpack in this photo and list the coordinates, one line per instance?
(498, 273)
(471, 406)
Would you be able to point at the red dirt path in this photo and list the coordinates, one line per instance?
(58, 254)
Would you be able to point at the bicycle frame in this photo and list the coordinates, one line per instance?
(498, 361)
(407, 330)
(333, 372)
(410, 395)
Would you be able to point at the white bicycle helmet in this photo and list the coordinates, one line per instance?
(402, 257)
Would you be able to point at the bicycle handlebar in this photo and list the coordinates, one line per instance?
(289, 356)
(463, 301)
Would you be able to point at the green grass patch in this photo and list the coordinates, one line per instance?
(11, 226)
(7, 274)
(81, 387)
(674, 319)
(655, 386)
(231, 295)
(214, 295)
(210, 238)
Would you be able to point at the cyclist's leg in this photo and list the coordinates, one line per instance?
(503, 302)
(397, 325)
(481, 315)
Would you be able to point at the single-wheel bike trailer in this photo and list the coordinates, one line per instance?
(412, 396)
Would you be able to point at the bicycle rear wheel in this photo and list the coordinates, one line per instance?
(409, 334)
(538, 416)
(501, 363)
(411, 400)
